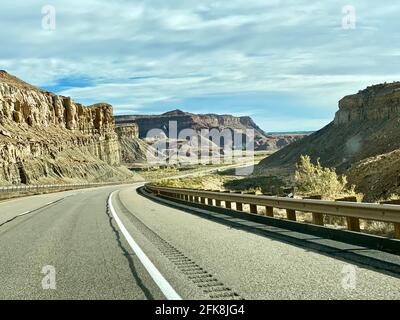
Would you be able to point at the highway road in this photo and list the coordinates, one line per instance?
(140, 249)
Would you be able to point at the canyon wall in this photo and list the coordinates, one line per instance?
(378, 102)
(45, 137)
(363, 142)
(133, 150)
(186, 120)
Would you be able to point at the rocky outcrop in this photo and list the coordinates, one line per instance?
(378, 102)
(378, 177)
(197, 122)
(133, 150)
(186, 120)
(365, 133)
(46, 137)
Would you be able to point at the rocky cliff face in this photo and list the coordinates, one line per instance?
(379, 102)
(45, 137)
(132, 148)
(365, 133)
(185, 120)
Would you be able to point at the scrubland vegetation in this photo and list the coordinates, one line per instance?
(310, 179)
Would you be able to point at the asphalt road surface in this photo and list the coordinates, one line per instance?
(70, 246)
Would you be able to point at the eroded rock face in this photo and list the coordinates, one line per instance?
(378, 102)
(133, 150)
(363, 142)
(197, 122)
(45, 136)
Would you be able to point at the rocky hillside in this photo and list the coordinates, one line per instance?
(363, 142)
(197, 122)
(132, 148)
(49, 138)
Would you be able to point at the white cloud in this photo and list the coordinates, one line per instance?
(145, 52)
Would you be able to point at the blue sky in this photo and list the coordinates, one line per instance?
(285, 63)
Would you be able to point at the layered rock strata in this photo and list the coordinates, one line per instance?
(45, 137)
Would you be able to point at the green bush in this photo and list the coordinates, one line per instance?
(264, 184)
(314, 179)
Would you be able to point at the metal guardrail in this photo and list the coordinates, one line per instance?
(353, 211)
(46, 187)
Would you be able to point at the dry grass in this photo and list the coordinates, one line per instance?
(207, 182)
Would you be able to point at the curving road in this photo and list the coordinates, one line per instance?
(74, 233)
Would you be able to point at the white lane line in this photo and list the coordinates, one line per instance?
(158, 278)
(24, 213)
(47, 204)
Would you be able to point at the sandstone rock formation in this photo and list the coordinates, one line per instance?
(133, 150)
(197, 122)
(49, 138)
(363, 136)
(379, 102)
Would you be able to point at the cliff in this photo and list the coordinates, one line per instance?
(378, 102)
(132, 148)
(186, 120)
(364, 133)
(46, 138)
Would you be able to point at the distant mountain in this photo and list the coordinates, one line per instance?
(290, 133)
(364, 135)
(186, 120)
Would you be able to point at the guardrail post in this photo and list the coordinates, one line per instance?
(239, 205)
(209, 201)
(396, 225)
(253, 207)
(269, 211)
(291, 214)
(353, 224)
(317, 218)
(217, 202)
(228, 204)
(397, 230)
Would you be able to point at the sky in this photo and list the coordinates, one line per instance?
(285, 63)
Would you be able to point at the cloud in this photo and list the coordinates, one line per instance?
(144, 56)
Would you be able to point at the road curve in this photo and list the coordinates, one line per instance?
(75, 233)
(79, 239)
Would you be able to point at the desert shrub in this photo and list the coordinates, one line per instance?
(314, 179)
(391, 197)
(256, 184)
(211, 182)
